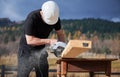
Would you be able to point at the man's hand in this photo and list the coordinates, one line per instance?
(52, 41)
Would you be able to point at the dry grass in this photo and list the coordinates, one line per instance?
(11, 60)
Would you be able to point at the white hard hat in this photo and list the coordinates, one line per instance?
(50, 12)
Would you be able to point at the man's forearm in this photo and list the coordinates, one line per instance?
(31, 40)
(61, 36)
(34, 41)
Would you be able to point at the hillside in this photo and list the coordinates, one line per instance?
(6, 22)
(91, 25)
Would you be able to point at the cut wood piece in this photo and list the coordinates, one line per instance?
(75, 47)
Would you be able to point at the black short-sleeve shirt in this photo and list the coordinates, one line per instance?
(35, 26)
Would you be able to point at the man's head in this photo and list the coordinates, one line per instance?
(50, 12)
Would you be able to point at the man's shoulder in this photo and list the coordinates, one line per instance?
(34, 13)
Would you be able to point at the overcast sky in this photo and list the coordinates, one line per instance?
(69, 9)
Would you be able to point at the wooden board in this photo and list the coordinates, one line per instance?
(75, 47)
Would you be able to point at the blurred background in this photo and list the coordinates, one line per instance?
(95, 20)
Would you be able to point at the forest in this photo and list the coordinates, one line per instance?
(104, 34)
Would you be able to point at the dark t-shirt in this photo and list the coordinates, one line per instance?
(35, 26)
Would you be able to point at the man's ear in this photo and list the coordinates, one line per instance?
(41, 12)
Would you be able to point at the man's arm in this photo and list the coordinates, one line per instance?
(34, 41)
(61, 36)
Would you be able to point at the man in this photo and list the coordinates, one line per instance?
(37, 27)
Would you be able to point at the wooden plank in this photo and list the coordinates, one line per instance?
(75, 47)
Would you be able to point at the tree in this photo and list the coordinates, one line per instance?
(69, 36)
(107, 50)
(77, 35)
(12, 38)
(6, 39)
(53, 36)
(3, 51)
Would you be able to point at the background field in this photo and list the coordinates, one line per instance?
(11, 60)
(104, 34)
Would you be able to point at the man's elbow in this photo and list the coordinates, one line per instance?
(29, 43)
(30, 40)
